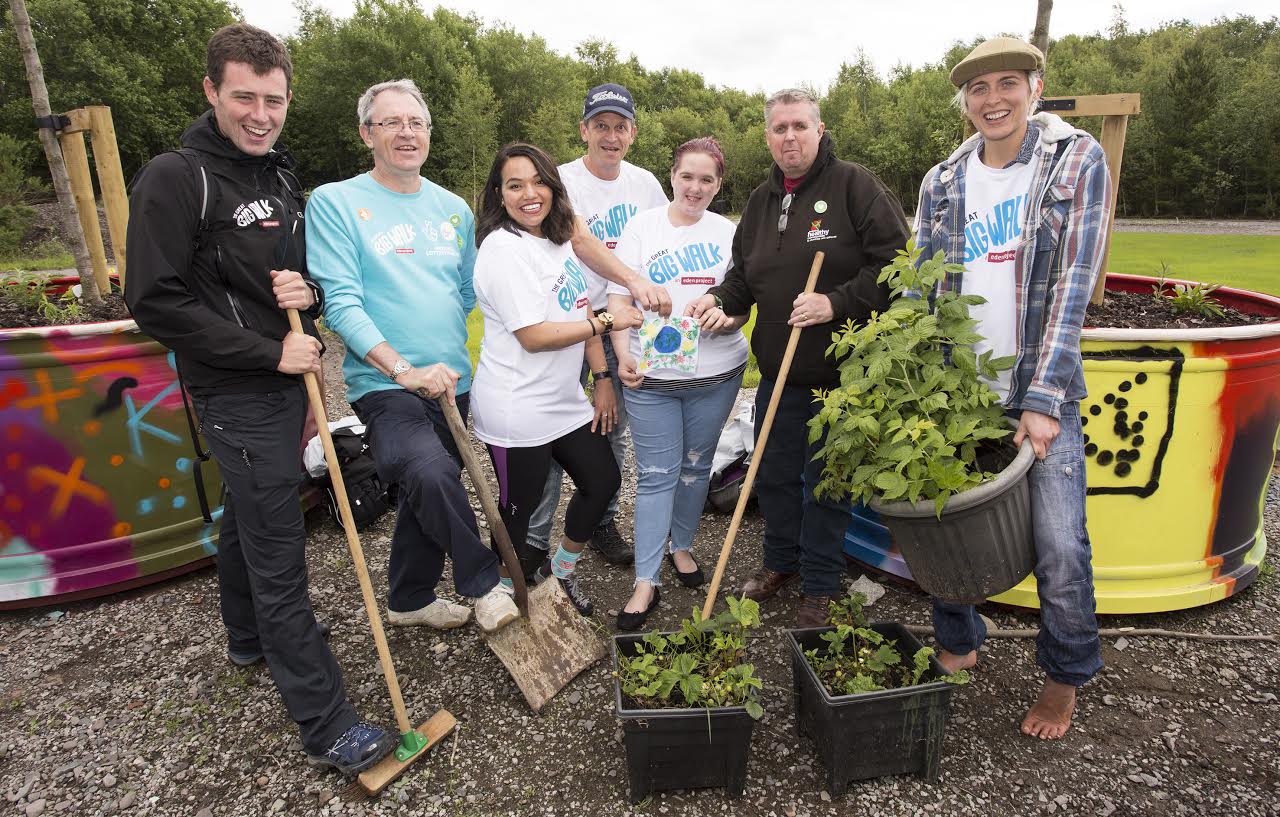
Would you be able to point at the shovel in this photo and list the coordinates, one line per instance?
(758, 456)
(551, 643)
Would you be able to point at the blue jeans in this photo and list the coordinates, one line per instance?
(675, 435)
(1067, 648)
(539, 535)
(802, 534)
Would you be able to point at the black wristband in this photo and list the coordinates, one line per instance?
(591, 322)
(605, 375)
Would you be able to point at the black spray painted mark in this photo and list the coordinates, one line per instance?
(1128, 428)
(115, 395)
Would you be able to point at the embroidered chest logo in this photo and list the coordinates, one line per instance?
(251, 211)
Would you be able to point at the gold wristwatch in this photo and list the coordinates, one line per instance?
(606, 321)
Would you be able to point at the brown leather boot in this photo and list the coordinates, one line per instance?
(814, 611)
(765, 584)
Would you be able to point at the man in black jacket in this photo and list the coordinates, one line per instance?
(812, 201)
(215, 243)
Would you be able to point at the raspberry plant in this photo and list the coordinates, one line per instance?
(701, 664)
(912, 407)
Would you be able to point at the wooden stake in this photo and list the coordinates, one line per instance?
(77, 159)
(106, 157)
(774, 398)
(89, 291)
(1114, 128)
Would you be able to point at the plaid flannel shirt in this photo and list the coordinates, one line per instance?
(1058, 257)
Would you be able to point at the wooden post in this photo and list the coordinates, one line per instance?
(1115, 110)
(77, 159)
(89, 291)
(1114, 128)
(106, 157)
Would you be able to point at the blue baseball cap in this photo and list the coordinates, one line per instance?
(608, 98)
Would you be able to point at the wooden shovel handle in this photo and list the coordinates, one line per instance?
(353, 539)
(761, 440)
(505, 549)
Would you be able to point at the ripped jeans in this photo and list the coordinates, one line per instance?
(675, 435)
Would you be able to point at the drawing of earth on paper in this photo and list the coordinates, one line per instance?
(669, 343)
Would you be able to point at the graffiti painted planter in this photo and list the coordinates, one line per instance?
(96, 480)
(1181, 432)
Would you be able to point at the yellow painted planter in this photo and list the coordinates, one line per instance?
(1181, 434)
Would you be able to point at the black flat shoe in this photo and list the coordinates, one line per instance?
(694, 578)
(630, 622)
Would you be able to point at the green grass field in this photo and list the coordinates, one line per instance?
(1245, 261)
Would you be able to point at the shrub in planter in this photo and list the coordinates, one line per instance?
(687, 701)
(872, 698)
(912, 425)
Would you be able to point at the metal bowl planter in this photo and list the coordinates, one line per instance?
(681, 748)
(871, 734)
(96, 485)
(982, 543)
(1181, 430)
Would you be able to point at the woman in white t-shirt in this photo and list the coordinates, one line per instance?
(678, 407)
(528, 405)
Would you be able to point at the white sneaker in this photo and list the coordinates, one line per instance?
(440, 614)
(496, 609)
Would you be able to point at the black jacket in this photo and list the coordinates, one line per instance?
(204, 290)
(840, 208)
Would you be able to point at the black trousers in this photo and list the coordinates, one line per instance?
(522, 476)
(262, 567)
(412, 447)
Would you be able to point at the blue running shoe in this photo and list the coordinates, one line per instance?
(360, 747)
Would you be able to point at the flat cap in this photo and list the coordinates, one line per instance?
(997, 54)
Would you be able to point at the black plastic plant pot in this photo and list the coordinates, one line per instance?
(871, 734)
(982, 545)
(681, 748)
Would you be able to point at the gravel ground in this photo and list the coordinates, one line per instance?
(128, 706)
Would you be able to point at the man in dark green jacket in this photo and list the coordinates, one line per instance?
(812, 201)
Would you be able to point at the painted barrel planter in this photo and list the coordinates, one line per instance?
(97, 492)
(1181, 433)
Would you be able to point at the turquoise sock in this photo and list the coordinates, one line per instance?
(564, 563)
(507, 583)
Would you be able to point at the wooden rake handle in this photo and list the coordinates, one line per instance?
(792, 341)
(353, 539)
(505, 549)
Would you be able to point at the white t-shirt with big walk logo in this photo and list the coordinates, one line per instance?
(687, 261)
(995, 202)
(524, 399)
(607, 205)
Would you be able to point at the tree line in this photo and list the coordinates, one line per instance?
(1206, 144)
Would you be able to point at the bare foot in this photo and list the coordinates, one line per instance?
(684, 561)
(1050, 717)
(953, 663)
(640, 598)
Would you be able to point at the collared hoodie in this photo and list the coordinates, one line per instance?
(203, 289)
(840, 208)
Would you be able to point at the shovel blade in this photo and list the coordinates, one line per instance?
(546, 650)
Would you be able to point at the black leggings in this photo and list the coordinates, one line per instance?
(522, 475)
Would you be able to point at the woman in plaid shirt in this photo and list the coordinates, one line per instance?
(1023, 204)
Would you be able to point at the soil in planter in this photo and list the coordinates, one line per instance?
(15, 314)
(1140, 310)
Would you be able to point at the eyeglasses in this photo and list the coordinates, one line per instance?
(398, 125)
(786, 211)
